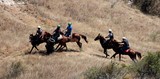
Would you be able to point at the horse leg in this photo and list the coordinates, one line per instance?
(133, 58)
(138, 54)
(113, 55)
(36, 48)
(119, 57)
(57, 46)
(31, 49)
(65, 46)
(79, 44)
(105, 52)
(60, 47)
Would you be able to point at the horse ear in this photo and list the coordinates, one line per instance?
(99, 34)
(31, 34)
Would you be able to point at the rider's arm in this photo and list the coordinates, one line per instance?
(107, 36)
(53, 32)
(37, 32)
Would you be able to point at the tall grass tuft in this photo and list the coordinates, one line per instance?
(14, 70)
(111, 71)
(148, 68)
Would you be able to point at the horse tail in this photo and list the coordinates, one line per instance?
(84, 37)
(139, 55)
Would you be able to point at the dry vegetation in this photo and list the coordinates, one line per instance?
(148, 6)
(89, 17)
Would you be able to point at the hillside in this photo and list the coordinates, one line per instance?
(89, 17)
(148, 6)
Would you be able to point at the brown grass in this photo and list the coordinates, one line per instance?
(89, 17)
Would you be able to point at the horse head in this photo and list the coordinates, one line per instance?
(98, 37)
(31, 36)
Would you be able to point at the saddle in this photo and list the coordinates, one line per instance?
(128, 50)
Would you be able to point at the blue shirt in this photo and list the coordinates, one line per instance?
(69, 28)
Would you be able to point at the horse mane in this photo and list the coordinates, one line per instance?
(102, 36)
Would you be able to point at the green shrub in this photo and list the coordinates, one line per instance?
(148, 68)
(14, 70)
(111, 71)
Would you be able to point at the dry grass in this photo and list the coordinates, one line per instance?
(89, 17)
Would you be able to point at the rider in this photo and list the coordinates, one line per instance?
(68, 29)
(125, 46)
(39, 32)
(110, 35)
(57, 32)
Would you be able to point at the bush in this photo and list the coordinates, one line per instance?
(14, 70)
(148, 68)
(111, 71)
(148, 6)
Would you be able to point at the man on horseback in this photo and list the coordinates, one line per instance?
(125, 46)
(57, 32)
(39, 33)
(110, 35)
(68, 30)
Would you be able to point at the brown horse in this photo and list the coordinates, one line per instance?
(35, 41)
(130, 52)
(74, 38)
(116, 48)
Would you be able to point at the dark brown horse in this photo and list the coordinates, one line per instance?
(35, 41)
(117, 48)
(74, 38)
(130, 52)
(104, 43)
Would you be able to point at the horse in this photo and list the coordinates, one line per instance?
(116, 46)
(74, 38)
(104, 43)
(35, 41)
(130, 52)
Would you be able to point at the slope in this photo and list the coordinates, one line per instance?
(89, 17)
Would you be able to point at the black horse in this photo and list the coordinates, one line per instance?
(104, 43)
(35, 41)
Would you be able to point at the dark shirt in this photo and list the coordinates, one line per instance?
(111, 35)
(39, 32)
(57, 31)
(126, 44)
